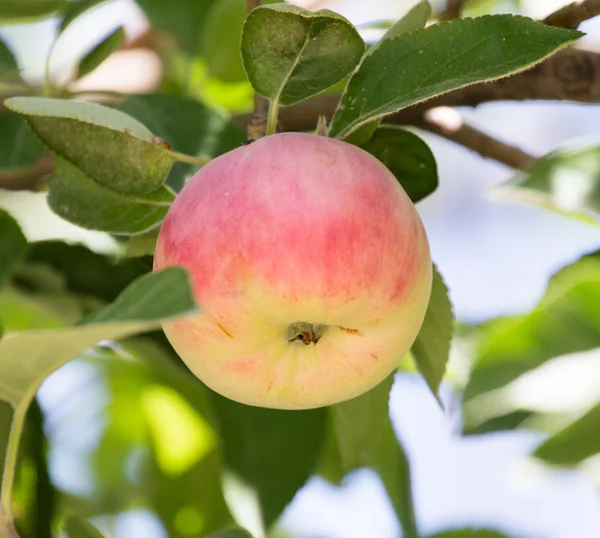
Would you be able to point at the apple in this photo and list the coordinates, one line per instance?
(311, 268)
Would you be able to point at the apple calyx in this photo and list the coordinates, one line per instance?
(305, 332)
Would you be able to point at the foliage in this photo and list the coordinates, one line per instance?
(167, 442)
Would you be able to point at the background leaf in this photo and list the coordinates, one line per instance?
(20, 149)
(564, 321)
(12, 246)
(20, 11)
(423, 63)
(221, 40)
(365, 438)
(27, 358)
(8, 63)
(76, 527)
(101, 52)
(290, 54)
(567, 182)
(109, 147)
(468, 533)
(431, 349)
(408, 157)
(575, 443)
(273, 451)
(183, 19)
(230, 533)
(74, 10)
(187, 125)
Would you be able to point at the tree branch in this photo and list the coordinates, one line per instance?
(570, 75)
(572, 15)
(453, 9)
(447, 122)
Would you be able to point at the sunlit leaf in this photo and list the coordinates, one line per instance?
(421, 64)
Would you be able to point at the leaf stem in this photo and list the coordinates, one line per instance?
(10, 465)
(272, 117)
(47, 88)
(182, 157)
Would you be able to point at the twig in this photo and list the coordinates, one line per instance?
(453, 9)
(572, 15)
(570, 75)
(447, 122)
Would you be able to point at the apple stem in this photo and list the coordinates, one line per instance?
(306, 333)
(272, 117)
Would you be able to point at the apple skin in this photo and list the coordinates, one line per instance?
(304, 231)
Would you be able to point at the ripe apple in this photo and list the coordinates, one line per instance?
(311, 268)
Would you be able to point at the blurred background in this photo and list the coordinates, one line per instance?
(496, 255)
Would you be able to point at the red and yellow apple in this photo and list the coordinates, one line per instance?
(311, 268)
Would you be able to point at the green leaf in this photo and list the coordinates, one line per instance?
(101, 52)
(8, 63)
(111, 148)
(566, 320)
(221, 40)
(76, 527)
(230, 533)
(85, 272)
(508, 421)
(414, 19)
(421, 64)
(159, 409)
(21, 11)
(27, 358)
(187, 125)
(184, 19)
(74, 10)
(274, 451)
(408, 157)
(468, 533)
(21, 312)
(431, 349)
(78, 199)
(290, 53)
(574, 443)
(12, 246)
(142, 244)
(20, 148)
(567, 182)
(365, 438)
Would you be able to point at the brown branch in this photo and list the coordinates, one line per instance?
(28, 180)
(572, 15)
(453, 9)
(447, 123)
(570, 75)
